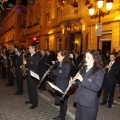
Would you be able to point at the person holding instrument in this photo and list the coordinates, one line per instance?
(19, 78)
(11, 66)
(89, 82)
(61, 81)
(32, 64)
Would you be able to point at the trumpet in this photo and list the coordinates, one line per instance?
(73, 81)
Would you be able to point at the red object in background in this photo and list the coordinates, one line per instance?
(35, 40)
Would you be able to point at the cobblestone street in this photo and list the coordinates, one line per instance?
(13, 107)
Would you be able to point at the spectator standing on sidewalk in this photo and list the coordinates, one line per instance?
(89, 82)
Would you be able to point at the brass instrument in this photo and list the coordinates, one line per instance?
(23, 68)
(5, 62)
(12, 68)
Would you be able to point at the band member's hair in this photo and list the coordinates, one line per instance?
(19, 49)
(98, 62)
(65, 53)
(33, 46)
(113, 54)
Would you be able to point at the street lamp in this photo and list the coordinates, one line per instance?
(100, 12)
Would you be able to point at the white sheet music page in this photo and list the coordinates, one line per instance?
(55, 87)
(33, 74)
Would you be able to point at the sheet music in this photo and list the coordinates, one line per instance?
(71, 55)
(55, 87)
(33, 74)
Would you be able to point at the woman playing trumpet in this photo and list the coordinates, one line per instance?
(61, 81)
(89, 83)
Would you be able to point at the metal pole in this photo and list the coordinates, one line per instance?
(98, 36)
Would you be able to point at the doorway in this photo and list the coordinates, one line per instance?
(106, 46)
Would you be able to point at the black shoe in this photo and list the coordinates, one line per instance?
(56, 117)
(33, 106)
(118, 97)
(27, 102)
(109, 106)
(102, 103)
(8, 84)
(18, 93)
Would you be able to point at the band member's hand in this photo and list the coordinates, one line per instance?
(79, 77)
(107, 66)
(71, 80)
(24, 62)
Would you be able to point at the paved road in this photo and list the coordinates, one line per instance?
(13, 107)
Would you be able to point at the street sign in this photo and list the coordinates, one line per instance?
(98, 29)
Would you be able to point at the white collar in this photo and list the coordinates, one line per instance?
(112, 62)
(32, 54)
(90, 66)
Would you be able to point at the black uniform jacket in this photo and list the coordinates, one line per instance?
(87, 91)
(42, 66)
(61, 81)
(62, 75)
(13, 57)
(19, 61)
(33, 63)
(112, 74)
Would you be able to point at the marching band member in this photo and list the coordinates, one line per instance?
(32, 64)
(61, 81)
(4, 61)
(75, 64)
(42, 68)
(89, 83)
(112, 70)
(11, 64)
(19, 78)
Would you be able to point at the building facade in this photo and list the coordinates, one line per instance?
(59, 24)
(13, 26)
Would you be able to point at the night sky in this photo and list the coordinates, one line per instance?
(24, 2)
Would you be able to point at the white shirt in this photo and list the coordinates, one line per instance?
(111, 62)
(32, 54)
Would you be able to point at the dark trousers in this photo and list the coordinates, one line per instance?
(43, 84)
(10, 77)
(32, 90)
(109, 89)
(3, 72)
(19, 79)
(63, 110)
(85, 113)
